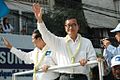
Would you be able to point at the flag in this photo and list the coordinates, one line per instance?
(4, 10)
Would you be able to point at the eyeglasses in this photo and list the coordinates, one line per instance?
(72, 25)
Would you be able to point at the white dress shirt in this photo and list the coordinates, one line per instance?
(30, 58)
(58, 44)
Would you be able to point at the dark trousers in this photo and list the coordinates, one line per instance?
(64, 76)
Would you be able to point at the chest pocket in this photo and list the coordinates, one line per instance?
(48, 58)
(82, 55)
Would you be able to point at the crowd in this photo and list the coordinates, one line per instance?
(73, 48)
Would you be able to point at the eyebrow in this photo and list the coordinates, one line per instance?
(71, 24)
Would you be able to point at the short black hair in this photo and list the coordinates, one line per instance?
(70, 17)
(38, 35)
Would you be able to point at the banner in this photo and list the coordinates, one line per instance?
(9, 64)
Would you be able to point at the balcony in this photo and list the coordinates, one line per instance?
(35, 1)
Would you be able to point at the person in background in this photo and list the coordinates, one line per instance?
(111, 49)
(1, 29)
(42, 57)
(115, 64)
(70, 49)
(23, 31)
(6, 26)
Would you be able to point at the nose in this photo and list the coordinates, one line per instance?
(32, 41)
(70, 27)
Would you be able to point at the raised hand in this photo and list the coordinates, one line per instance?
(106, 43)
(37, 9)
(7, 43)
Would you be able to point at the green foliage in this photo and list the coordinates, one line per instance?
(55, 19)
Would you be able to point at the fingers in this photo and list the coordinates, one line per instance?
(37, 11)
(106, 43)
(83, 62)
(36, 7)
(6, 43)
(99, 59)
(33, 7)
(45, 68)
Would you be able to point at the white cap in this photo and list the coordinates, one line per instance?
(115, 60)
(116, 29)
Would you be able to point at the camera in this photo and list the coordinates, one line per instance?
(113, 41)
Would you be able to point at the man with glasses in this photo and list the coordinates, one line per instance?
(70, 49)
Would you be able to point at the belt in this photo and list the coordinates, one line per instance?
(73, 75)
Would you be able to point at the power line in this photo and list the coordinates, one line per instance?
(101, 13)
(100, 8)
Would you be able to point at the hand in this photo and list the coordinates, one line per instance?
(37, 9)
(45, 68)
(106, 43)
(83, 62)
(99, 59)
(7, 43)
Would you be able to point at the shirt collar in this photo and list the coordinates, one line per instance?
(44, 48)
(67, 38)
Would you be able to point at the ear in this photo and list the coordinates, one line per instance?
(65, 29)
(39, 38)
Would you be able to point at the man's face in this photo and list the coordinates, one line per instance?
(71, 27)
(34, 40)
(116, 71)
(117, 36)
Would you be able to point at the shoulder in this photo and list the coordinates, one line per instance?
(35, 49)
(85, 40)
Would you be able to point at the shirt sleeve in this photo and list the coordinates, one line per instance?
(109, 52)
(108, 56)
(91, 53)
(22, 55)
(111, 49)
(50, 39)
